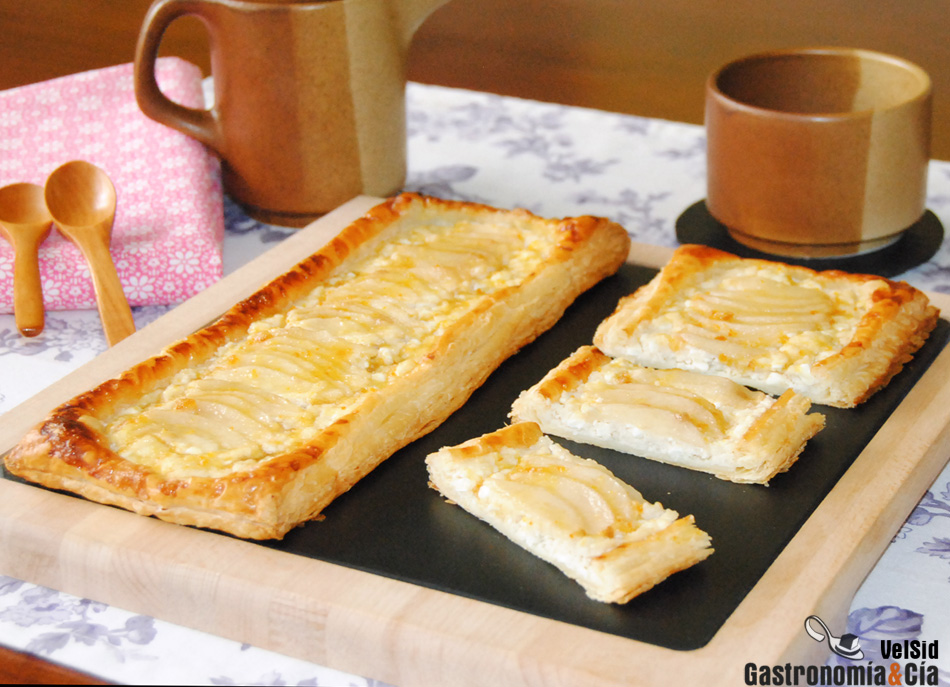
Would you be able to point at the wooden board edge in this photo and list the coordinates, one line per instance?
(335, 616)
(370, 625)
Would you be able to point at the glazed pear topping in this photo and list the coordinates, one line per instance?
(295, 373)
(758, 316)
(685, 406)
(550, 489)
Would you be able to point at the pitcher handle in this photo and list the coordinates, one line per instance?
(200, 124)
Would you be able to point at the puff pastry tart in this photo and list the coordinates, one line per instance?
(684, 418)
(831, 336)
(569, 511)
(255, 423)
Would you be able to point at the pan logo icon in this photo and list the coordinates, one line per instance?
(846, 646)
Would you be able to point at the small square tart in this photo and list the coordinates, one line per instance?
(834, 337)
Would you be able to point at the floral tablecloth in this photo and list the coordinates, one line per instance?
(555, 161)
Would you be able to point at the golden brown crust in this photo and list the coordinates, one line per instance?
(571, 373)
(885, 323)
(68, 450)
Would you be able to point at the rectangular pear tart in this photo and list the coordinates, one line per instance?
(832, 336)
(569, 511)
(255, 423)
(692, 420)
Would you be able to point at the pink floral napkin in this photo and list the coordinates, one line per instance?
(169, 226)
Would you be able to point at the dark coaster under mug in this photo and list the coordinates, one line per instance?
(915, 247)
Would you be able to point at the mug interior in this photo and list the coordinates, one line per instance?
(822, 82)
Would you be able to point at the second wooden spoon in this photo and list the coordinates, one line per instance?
(82, 201)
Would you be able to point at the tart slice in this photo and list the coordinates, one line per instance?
(696, 421)
(568, 511)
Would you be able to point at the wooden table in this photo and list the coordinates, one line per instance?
(17, 668)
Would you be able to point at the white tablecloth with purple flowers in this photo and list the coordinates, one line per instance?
(555, 161)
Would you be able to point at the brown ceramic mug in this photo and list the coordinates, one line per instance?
(309, 98)
(817, 152)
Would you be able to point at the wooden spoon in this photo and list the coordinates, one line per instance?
(25, 222)
(82, 200)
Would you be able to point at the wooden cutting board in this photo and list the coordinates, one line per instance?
(408, 634)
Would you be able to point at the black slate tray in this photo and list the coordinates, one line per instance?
(392, 524)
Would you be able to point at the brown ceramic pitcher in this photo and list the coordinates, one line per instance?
(309, 98)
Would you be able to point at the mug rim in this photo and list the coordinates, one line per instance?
(922, 93)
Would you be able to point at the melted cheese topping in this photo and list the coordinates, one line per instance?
(546, 489)
(754, 317)
(674, 405)
(295, 373)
